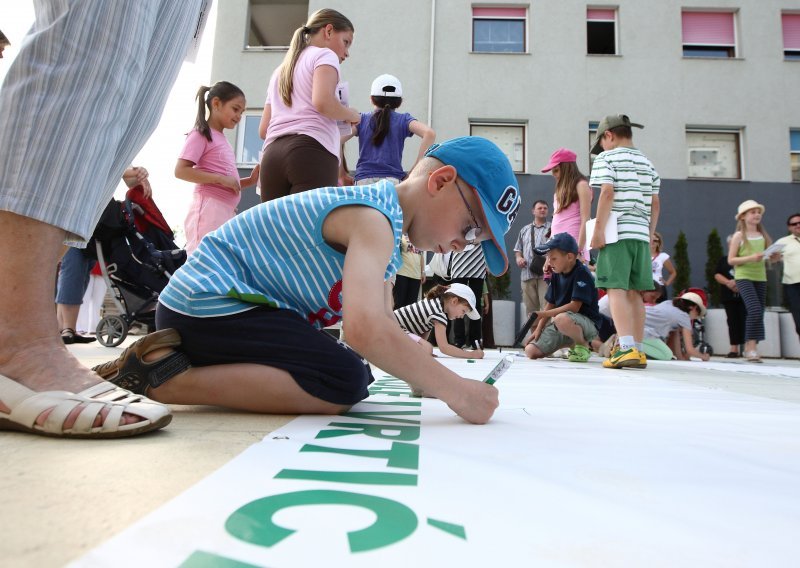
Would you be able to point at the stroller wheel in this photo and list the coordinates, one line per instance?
(704, 347)
(111, 331)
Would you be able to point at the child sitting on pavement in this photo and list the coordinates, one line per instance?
(571, 304)
(241, 321)
(441, 303)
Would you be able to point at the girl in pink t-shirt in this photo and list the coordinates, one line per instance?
(572, 202)
(299, 124)
(207, 159)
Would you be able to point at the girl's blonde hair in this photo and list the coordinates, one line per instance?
(567, 186)
(742, 228)
(221, 90)
(317, 21)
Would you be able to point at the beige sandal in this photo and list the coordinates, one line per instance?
(752, 357)
(26, 406)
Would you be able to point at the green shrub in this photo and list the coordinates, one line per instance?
(680, 259)
(713, 253)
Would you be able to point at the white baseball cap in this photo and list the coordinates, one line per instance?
(386, 86)
(464, 291)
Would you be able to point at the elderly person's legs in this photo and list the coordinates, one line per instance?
(83, 96)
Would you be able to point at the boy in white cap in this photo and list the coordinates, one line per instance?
(629, 186)
(251, 301)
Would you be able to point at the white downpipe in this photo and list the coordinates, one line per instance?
(430, 63)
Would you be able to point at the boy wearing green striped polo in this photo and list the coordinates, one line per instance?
(629, 186)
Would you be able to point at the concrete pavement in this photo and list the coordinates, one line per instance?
(62, 498)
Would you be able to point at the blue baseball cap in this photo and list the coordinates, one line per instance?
(481, 164)
(561, 241)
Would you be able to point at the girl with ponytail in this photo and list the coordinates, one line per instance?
(382, 133)
(208, 161)
(302, 140)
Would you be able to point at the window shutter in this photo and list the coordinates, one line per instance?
(791, 31)
(708, 28)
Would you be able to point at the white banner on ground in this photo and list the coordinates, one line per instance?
(580, 466)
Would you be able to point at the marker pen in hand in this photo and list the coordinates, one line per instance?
(499, 369)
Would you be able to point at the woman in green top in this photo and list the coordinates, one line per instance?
(746, 255)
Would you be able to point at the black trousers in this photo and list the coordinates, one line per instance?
(792, 294)
(736, 315)
(405, 291)
(462, 335)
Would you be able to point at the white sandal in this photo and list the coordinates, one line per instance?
(26, 406)
(752, 357)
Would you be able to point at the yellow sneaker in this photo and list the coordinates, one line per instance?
(621, 359)
(642, 361)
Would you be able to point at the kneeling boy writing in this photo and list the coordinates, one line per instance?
(571, 317)
(250, 303)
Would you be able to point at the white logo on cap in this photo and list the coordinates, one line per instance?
(508, 204)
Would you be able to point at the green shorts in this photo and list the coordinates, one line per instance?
(625, 265)
(551, 339)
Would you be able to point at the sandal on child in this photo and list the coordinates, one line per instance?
(130, 371)
(579, 354)
(69, 336)
(26, 405)
(752, 357)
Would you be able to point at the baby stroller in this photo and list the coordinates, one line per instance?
(137, 255)
(699, 326)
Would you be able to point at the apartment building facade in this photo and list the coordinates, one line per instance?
(715, 82)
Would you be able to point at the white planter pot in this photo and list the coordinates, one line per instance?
(503, 320)
(716, 324)
(790, 345)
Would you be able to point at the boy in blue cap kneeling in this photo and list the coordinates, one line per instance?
(242, 319)
(571, 317)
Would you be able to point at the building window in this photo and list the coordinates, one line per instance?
(499, 30)
(509, 137)
(794, 136)
(601, 31)
(592, 133)
(714, 153)
(248, 142)
(708, 34)
(791, 36)
(273, 22)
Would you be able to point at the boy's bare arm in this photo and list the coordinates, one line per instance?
(368, 238)
(604, 205)
(574, 306)
(655, 209)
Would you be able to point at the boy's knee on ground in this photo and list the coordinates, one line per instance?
(533, 352)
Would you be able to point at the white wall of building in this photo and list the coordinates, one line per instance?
(555, 88)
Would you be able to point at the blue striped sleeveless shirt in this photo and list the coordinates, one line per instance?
(274, 254)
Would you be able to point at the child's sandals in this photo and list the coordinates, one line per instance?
(130, 371)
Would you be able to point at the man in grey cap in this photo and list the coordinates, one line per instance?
(629, 186)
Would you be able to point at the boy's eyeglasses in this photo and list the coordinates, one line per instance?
(472, 233)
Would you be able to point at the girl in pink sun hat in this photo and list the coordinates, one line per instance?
(572, 201)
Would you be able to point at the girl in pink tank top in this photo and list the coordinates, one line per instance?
(572, 202)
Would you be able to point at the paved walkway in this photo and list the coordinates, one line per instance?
(62, 498)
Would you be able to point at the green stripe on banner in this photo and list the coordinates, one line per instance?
(202, 559)
(362, 477)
